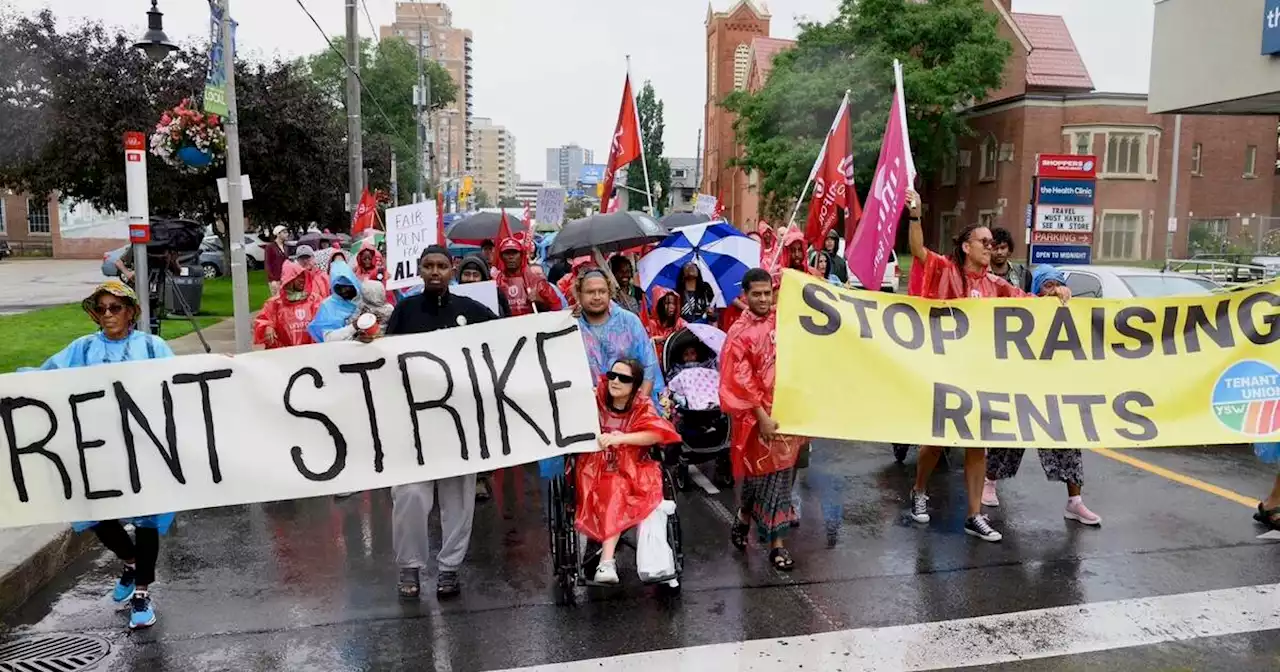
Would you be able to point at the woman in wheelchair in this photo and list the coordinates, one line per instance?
(620, 485)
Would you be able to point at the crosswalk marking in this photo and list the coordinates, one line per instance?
(984, 640)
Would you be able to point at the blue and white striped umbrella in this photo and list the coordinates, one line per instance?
(722, 253)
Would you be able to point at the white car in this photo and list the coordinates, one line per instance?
(255, 256)
(892, 272)
(1128, 282)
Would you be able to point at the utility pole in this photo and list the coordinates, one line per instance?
(418, 97)
(395, 186)
(355, 167)
(1173, 189)
(430, 132)
(235, 202)
(697, 165)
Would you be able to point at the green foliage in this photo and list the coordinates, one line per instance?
(481, 197)
(951, 55)
(509, 202)
(575, 208)
(649, 109)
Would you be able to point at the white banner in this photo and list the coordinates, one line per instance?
(551, 205)
(705, 205)
(1068, 218)
(410, 229)
(122, 440)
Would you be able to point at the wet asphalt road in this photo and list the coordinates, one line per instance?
(309, 585)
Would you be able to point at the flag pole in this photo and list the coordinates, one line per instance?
(644, 163)
(813, 173)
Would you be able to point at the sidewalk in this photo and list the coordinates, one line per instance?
(31, 556)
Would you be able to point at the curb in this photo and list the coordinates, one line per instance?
(51, 551)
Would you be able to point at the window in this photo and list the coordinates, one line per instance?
(741, 57)
(987, 218)
(1197, 151)
(949, 170)
(1084, 142)
(1250, 161)
(679, 173)
(1121, 236)
(37, 216)
(1126, 154)
(1084, 285)
(4, 226)
(990, 152)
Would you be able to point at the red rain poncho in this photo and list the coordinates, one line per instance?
(768, 244)
(521, 287)
(288, 318)
(619, 487)
(657, 331)
(939, 278)
(577, 266)
(317, 282)
(793, 237)
(377, 272)
(746, 383)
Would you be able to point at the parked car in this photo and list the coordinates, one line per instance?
(892, 273)
(1127, 282)
(109, 261)
(211, 261)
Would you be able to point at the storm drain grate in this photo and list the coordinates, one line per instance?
(58, 653)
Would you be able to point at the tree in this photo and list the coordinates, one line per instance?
(481, 198)
(951, 56)
(649, 109)
(388, 73)
(575, 208)
(509, 202)
(74, 94)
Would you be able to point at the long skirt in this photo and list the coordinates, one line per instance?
(1062, 465)
(767, 499)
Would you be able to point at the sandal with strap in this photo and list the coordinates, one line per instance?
(738, 534)
(410, 586)
(1268, 517)
(781, 559)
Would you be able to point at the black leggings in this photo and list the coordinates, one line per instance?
(143, 549)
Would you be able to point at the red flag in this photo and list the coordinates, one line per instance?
(440, 219)
(365, 213)
(528, 216)
(626, 140)
(719, 212)
(833, 185)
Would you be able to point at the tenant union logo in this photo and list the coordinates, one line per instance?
(1246, 398)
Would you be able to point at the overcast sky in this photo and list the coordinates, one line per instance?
(551, 70)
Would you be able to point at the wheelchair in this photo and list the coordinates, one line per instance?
(574, 558)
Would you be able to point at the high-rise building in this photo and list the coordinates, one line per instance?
(564, 164)
(429, 26)
(495, 158)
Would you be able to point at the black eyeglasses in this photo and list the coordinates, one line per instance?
(111, 308)
(623, 378)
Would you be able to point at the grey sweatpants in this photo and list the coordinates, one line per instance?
(411, 509)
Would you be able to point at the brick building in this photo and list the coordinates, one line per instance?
(1047, 105)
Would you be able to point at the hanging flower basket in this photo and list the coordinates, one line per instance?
(189, 140)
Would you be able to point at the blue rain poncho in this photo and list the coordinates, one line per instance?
(335, 311)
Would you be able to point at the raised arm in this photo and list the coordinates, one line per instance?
(915, 231)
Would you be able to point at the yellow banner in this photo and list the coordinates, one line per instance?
(1028, 372)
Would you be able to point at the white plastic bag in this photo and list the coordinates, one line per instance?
(654, 559)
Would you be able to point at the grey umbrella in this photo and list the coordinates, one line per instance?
(480, 227)
(609, 233)
(678, 219)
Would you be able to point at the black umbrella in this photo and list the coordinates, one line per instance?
(480, 227)
(678, 219)
(609, 233)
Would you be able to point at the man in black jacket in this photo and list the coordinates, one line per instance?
(435, 308)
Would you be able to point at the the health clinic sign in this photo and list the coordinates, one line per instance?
(1271, 28)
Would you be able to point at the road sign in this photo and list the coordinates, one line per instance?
(1061, 238)
(1065, 192)
(1061, 255)
(1070, 166)
(1075, 218)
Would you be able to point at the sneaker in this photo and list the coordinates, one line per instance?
(125, 585)
(919, 507)
(1080, 513)
(141, 614)
(989, 497)
(607, 572)
(980, 527)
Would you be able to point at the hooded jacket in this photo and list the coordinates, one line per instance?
(747, 371)
(477, 263)
(768, 244)
(653, 324)
(793, 237)
(289, 319)
(372, 300)
(335, 310)
(522, 288)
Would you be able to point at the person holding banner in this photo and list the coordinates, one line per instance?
(764, 459)
(1065, 465)
(285, 317)
(964, 274)
(113, 306)
(1268, 512)
(434, 309)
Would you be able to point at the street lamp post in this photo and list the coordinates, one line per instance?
(157, 46)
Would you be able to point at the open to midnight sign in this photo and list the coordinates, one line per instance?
(1075, 218)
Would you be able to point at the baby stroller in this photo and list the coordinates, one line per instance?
(573, 561)
(704, 431)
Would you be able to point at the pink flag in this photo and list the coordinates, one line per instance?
(868, 253)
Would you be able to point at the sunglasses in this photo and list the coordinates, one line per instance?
(985, 242)
(623, 378)
(111, 308)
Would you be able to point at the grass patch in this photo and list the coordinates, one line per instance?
(30, 338)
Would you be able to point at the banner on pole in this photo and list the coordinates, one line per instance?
(551, 205)
(410, 230)
(123, 440)
(1029, 373)
(215, 81)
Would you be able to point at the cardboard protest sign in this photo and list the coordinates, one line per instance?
(1023, 373)
(410, 230)
(138, 438)
(705, 204)
(551, 205)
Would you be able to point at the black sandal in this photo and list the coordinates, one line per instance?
(1268, 517)
(781, 559)
(410, 585)
(738, 533)
(447, 584)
